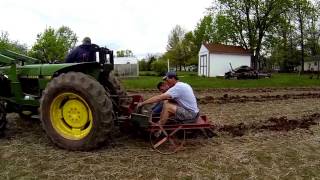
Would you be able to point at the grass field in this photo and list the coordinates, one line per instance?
(277, 80)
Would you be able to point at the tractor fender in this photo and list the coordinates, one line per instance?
(54, 70)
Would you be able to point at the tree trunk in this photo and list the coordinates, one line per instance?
(253, 60)
(301, 40)
(302, 49)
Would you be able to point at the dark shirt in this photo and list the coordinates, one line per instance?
(82, 53)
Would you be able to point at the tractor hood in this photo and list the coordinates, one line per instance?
(53, 69)
(40, 69)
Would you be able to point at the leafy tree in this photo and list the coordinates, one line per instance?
(160, 66)
(66, 37)
(52, 45)
(124, 53)
(295, 37)
(204, 31)
(280, 44)
(306, 14)
(151, 58)
(175, 51)
(146, 64)
(6, 43)
(143, 65)
(313, 31)
(189, 50)
(303, 10)
(224, 32)
(251, 20)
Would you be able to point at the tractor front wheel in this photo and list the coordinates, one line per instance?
(76, 112)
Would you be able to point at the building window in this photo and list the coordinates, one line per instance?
(315, 63)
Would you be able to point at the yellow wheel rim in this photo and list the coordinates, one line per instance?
(71, 116)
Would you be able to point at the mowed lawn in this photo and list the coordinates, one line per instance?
(277, 80)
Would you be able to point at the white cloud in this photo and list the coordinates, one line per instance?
(140, 25)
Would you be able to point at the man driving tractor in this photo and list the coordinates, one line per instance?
(185, 109)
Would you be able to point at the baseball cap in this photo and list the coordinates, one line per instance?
(170, 75)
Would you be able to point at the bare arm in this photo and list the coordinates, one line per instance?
(157, 98)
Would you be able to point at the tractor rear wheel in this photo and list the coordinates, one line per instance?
(118, 89)
(114, 87)
(76, 112)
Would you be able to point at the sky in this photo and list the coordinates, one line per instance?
(142, 26)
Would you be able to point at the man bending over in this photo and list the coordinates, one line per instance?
(162, 87)
(185, 109)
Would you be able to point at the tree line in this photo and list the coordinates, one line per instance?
(278, 33)
(52, 45)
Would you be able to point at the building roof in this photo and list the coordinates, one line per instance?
(221, 48)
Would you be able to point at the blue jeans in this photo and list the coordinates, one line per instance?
(156, 109)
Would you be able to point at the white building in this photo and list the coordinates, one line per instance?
(309, 65)
(126, 66)
(215, 59)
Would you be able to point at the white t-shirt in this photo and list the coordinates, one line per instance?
(182, 93)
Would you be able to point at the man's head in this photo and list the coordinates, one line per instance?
(163, 87)
(86, 41)
(171, 78)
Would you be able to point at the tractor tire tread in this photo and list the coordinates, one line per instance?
(101, 104)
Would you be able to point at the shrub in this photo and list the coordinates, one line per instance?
(160, 67)
(147, 73)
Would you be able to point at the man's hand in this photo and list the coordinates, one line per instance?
(139, 105)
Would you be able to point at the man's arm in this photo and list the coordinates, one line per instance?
(157, 98)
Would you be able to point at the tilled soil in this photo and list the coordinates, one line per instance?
(261, 134)
(261, 98)
(272, 124)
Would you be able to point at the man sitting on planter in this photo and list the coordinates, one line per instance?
(185, 109)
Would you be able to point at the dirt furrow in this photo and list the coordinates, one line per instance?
(272, 124)
(226, 98)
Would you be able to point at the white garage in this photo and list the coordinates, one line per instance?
(215, 59)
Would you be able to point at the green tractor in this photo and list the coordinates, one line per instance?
(77, 102)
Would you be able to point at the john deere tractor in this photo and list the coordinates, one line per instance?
(76, 102)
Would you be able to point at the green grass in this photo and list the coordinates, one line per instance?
(277, 80)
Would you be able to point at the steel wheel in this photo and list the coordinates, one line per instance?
(169, 141)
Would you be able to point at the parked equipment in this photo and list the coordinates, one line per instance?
(245, 72)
